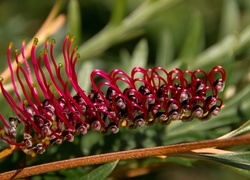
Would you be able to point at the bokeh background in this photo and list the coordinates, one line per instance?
(188, 34)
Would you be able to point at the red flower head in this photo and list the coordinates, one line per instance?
(152, 95)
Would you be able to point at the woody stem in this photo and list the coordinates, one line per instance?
(124, 155)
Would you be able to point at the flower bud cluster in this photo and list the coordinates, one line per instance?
(151, 96)
(155, 95)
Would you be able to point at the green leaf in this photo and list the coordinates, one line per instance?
(125, 57)
(230, 19)
(138, 58)
(140, 55)
(165, 49)
(101, 172)
(83, 75)
(194, 41)
(223, 49)
(236, 100)
(74, 19)
(242, 129)
(240, 160)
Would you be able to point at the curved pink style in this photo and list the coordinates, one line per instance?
(152, 96)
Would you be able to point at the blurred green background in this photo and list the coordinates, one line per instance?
(186, 34)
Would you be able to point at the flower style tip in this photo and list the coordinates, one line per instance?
(152, 96)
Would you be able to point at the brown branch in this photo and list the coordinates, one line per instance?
(123, 155)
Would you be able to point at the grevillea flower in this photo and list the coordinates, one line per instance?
(50, 114)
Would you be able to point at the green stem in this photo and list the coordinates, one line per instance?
(124, 155)
(118, 12)
(128, 28)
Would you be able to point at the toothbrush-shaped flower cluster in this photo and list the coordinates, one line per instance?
(50, 114)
